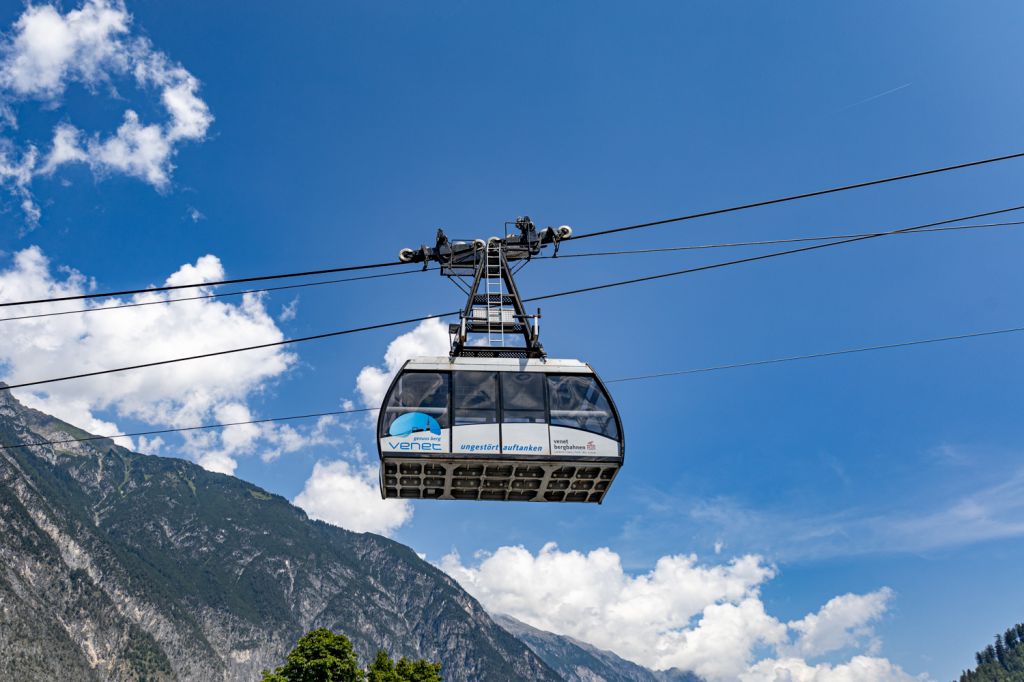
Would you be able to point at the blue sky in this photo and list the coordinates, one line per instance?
(342, 133)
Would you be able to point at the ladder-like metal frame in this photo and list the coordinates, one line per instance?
(494, 292)
(494, 309)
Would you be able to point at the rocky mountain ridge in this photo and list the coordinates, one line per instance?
(121, 566)
(578, 661)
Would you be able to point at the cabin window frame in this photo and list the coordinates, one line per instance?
(457, 410)
(613, 433)
(445, 420)
(544, 411)
(449, 418)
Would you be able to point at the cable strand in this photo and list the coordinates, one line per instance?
(670, 249)
(766, 242)
(273, 344)
(642, 377)
(179, 429)
(812, 356)
(764, 256)
(206, 296)
(795, 197)
(571, 292)
(692, 216)
(173, 287)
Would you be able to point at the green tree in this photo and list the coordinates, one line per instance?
(322, 656)
(319, 656)
(1001, 662)
(418, 671)
(383, 669)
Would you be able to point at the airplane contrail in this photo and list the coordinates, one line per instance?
(874, 97)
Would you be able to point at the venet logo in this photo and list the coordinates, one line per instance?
(421, 445)
(414, 422)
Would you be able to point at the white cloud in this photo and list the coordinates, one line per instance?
(348, 496)
(181, 394)
(16, 170)
(142, 151)
(151, 446)
(842, 622)
(284, 439)
(646, 618)
(46, 51)
(66, 148)
(857, 669)
(190, 117)
(430, 337)
(705, 618)
(289, 311)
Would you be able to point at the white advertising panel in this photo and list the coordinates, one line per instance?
(566, 441)
(476, 439)
(524, 439)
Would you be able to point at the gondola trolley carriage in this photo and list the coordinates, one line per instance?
(496, 420)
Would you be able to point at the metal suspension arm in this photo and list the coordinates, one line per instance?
(493, 307)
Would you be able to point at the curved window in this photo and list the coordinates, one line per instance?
(423, 392)
(476, 398)
(578, 402)
(522, 397)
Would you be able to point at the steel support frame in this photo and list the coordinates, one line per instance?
(462, 258)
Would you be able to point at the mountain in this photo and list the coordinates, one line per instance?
(1001, 661)
(120, 566)
(578, 661)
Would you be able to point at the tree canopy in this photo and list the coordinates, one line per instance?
(323, 656)
(383, 669)
(1002, 661)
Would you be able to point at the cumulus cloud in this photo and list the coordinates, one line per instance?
(45, 51)
(709, 619)
(857, 669)
(347, 495)
(282, 439)
(430, 337)
(182, 394)
(842, 622)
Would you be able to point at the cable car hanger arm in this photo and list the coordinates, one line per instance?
(494, 306)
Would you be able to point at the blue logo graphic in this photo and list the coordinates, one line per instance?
(414, 422)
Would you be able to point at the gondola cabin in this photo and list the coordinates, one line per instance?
(493, 428)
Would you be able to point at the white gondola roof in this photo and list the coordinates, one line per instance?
(548, 365)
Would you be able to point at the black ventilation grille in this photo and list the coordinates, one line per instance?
(508, 480)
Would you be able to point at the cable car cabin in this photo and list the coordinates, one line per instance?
(484, 428)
